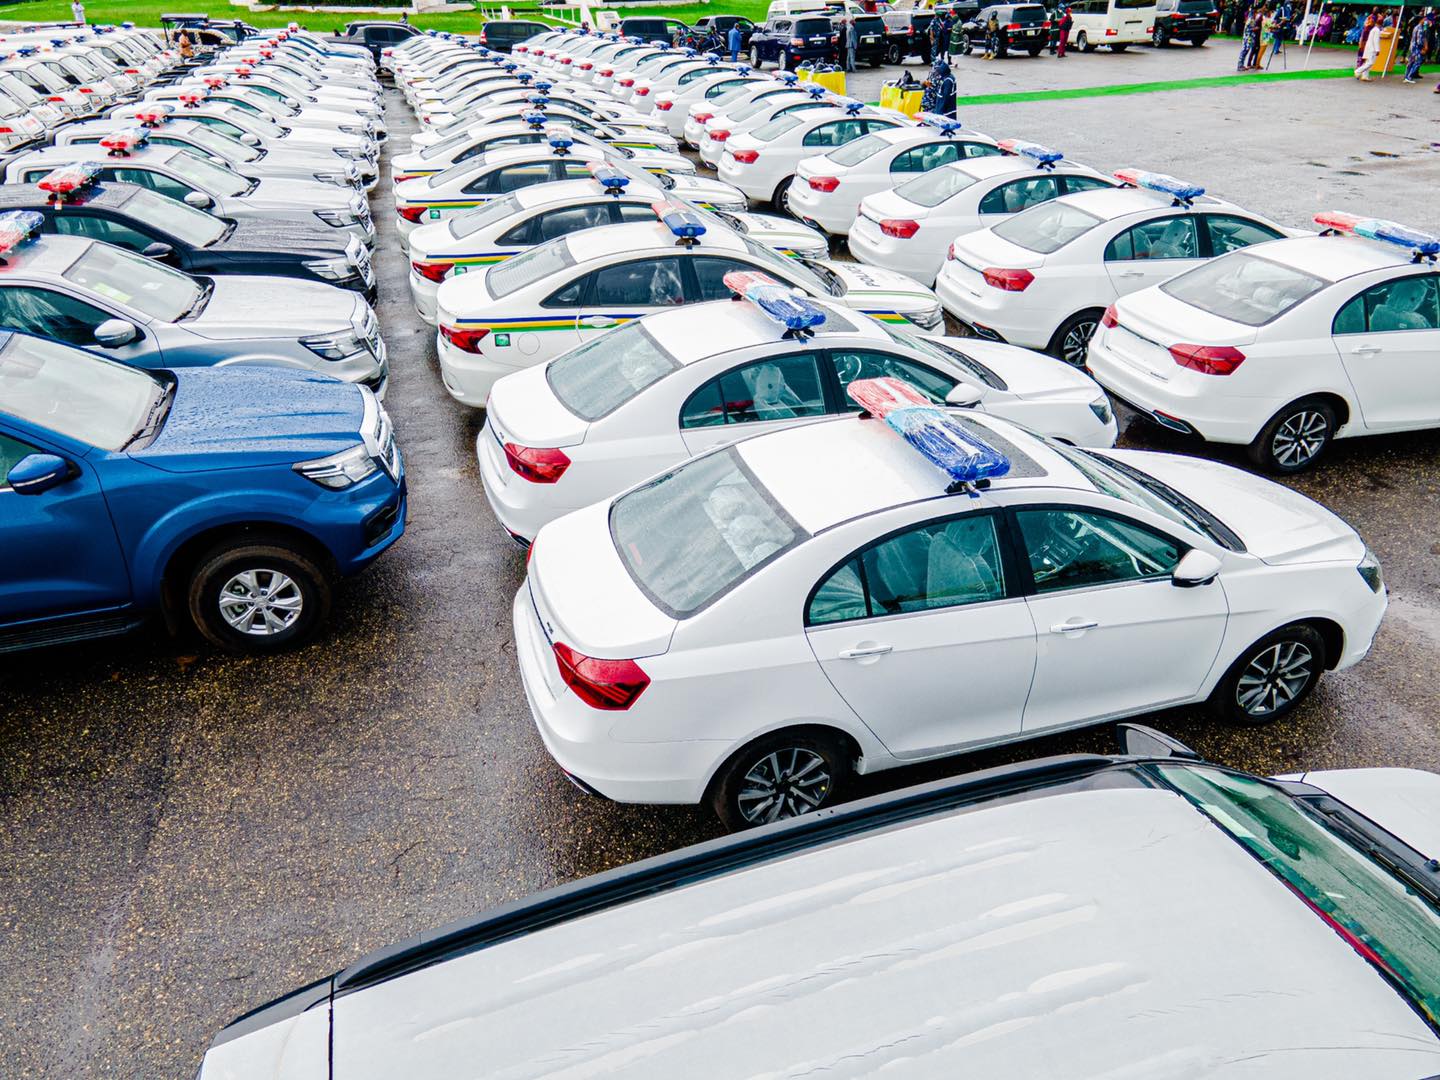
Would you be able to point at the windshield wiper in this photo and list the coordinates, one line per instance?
(833, 281)
(198, 304)
(1210, 525)
(154, 416)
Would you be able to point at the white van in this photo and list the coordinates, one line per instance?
(1116, 23)
(780, 8)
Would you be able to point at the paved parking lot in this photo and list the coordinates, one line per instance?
(184, 835)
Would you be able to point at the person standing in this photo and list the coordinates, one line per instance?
(187, 51)
(77, 10)
(1418, 40)
(1066, 22)
(1369, 50)
(733, 40)
(945, 91)
(1265, 37)
(992, 37)
(852, 42)
(1248, 34)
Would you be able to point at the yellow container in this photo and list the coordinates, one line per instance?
(834, 81)
(804, 74)
(905, 101)
(1389, 55)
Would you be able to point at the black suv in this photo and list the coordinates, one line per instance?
(787, 39)
(871, 47)
(502, 35)
(375, 36)
(1023, 28)
(721, 25)
(907, 33)
(1184, 20)
(660, 31)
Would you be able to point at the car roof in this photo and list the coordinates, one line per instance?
(1336, 257)
(691, 333)
(46, 254)
(564, 191)
(643, 237)
(993, 165)
(1118, 202)
(111, 195)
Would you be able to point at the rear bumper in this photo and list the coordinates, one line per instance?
(522, 508)
(998, 317)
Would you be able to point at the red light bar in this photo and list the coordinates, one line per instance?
(69, 178)
(191, 98)
(122, 142)
(214, 82)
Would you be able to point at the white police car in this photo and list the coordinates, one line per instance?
(762, 162)
(532, 307)
(864, 593)
(651, 393)
(722, 127)
(1044, 277)
(760, 88)
(673, 106)
(828, 188)
(1284, 347)
(635, 136)
(910, 229)
(601, 112)
(673, 77)
(512, 223)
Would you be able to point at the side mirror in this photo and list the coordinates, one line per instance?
(157, 250)
(112, 333)
(1138, 740)
(249, 138)
(38, 473)
(199, 200)
(965, 396)
(1196, 568)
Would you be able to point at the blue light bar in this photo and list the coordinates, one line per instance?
(538, 100)
(611, 178)
(689, 51)
(1165, 185)
(680, 220)
(562, 140)
(713, 57)
(796, 313)
(534, 119)
(524, 77)
(128, 25)
(940, 438)
(943, 124)
(850, 105)
(816, 92)
(543, 86)
(511, 66)
(789, 78)
(1041, 155)
(743, 69)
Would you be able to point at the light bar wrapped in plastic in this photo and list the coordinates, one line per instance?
(1390, 232)
(789, 78)
(215, 82)
(17, 226)
(124, 140)
(1166, 185)
(544, 87)
(562, 139)
(793, 312)
(816, 92)
(943, 124)
(939, 437)
(69, 178)
(850, 105)
(153, 114)
(1041, 155)
(680, 220)
(191, 98)
(534, 119)
(609, 176)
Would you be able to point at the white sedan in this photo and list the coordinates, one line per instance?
(828, 188)
(762, 162)
(1044, 277)
(597, 110)
(722, 127)
(673, 106)
(660, 389)
(535, 306)
(847, 597)
(911, 228)
(760, 88)
(1284, 347)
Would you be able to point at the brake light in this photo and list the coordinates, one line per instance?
(464, 340)
(605, 73)
(1177, 15)
(1208, 359)
(1016, 26)
(899, 228)
(719, 135)
(797, 42)
(824, 183)
(586, 67)
(950, 252)
(566, 60)
(746, 157)
(85, 89)
(626, 82)
(1111, 318)
(613, 685)
(1110, 31)
(1045, 25)
(432, 271)
(538, 465)
(59, 99)
(641, 91)
(411, 213)
(664, 106)
(1008, 280)
(701, 117)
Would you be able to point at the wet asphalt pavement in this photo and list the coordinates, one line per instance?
(184, 836)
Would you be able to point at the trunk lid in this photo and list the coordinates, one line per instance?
(524, 410)
(984, 249)
(1150, 325)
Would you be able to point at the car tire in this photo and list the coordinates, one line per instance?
(1082, 42)
(286, 580)
(1295, 437)
(1198, 41)
(1065, 344)
(1035, 50)
(1271, 678)
(1159, 40)
(819, 762)
(754, 58)
(781, 198)
(893, 55)
(782, 62)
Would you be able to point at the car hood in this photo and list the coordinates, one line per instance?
(1030, 375)
(260, 234)
(1405, 802)
(289, 194)
(291, 309)
(879, 292)
(241, 418)
(1276, 524)
(708, 194)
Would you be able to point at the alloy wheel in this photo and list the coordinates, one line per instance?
(785, 783)
(261, 602)
(1299, 438)
(1077, 342)
(1275, 677)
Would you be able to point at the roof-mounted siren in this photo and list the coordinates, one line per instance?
(16, 227)
(511, 66)
(713, 57)
(561, 140)
(1423, 247)
(941, 439)
(121, 142)
(1042, 156)
(1181, 191)
(816, 92)
(215, 82)
(267, 54)
(688, 51)
(127, 25)
(538, 100)
(26, 50)
(743, 69)
(191, 99)
(63, 183)
(535, 119)
(789, 78)
(943, 124)
(610, 178)
(544, 86)
(524, 78)
(244, 70)
(153, 114)
(850, 105)
(798, 314)
(680, 220)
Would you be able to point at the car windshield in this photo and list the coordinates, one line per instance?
(1244, 288)
(734, 94)
(216, 143)
(18, 90)
(934, 187)
(174, 217)
(818, 277)
(209, 177)
(135, 281)
(527, 268)
(938, 350)
(694, 533)
(777, 127)
(65, 390)
(1389, 924)
(263, 126)
(445, 147)
(1046, 228)
(746, 111)
(472, 221)
(853, 153)
(595, 379)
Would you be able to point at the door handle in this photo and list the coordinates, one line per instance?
(1130, 273)
(1368, 350)
(1073, 626)
(599, 322)
(869, 650)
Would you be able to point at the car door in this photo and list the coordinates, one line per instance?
(1388, 338)
(1151, 252)
(626, 290)
(62, 557)
(925, 635)
(48, 312)
(765, 394)
(84, 222)
(1114, 634)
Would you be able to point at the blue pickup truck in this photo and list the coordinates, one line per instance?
(229, 498)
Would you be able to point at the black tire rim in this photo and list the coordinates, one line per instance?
(1300, 438)
(784, 783)
(1275, 677)
(1076, 342)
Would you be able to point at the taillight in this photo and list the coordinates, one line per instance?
(605, 73)
(464, 340)
(664, 106)
(1016, 26)
(627, 82)
(950, 252)
(411, 213)
(824, 183)
(1111, 318)
(1110, 31)
(586, 67)
(1045, 25)
(538, 465)
(85, 89)
(701, 117)
(1008, 280)
(1208, 359)
(641, 91)
(432, 271)
(746, 157)
(719, 135)
(613, 685)
(899, 228)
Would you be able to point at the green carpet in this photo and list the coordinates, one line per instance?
(1240, 78)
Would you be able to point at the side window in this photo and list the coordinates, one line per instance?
(569, 295)
(920, 159)
(835, 133)
(79, 223)
(1407, 303)
(1083, 183)
(156, 182)
(1018, 195)
(567, 220)
(778, 388)
(632, 212)
(1232, 233)
(573, 170)
(51, 314)
(855, 364)
(1163, 238)
(639, 283)
(1072, 549)
(1350, 319)
(509, 178)
(939, 564)
(11, 452)
(975, 149)
(491, 144)
(710, 271)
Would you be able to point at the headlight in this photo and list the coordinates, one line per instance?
(340, 470)
(338, 218)
(336, 346)
(1101, 408)
(354, 129)
(1369, 569)
(332, 269)
(928, 319)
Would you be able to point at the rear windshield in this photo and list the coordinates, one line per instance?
(1244, 288)
(1046, 228)
(872, 25)
(595, 379)
(853, 153)
(1034, 14)
(462, 225)
(777, 127)
(812, 27)
(527, 268)
(934, 187)
(693, 534)
(1197, 6)
(750, 109)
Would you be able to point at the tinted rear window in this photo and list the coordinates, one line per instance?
(1244, 288)
(872, 25)
(595, 379)
(812, 27)
(1027, 15)
(1197, 6)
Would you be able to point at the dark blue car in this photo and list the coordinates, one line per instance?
(787, 39)
(229, 498)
